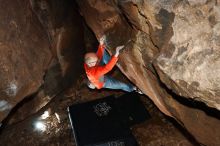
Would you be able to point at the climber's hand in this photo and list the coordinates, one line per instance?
(102, 40)
(90, 85)
(118, 49)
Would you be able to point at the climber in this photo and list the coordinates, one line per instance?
(98, 64)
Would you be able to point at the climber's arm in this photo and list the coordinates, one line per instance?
(100, 51)
(101, 70)
(101, 47)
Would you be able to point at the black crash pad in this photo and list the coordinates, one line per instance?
(107, 121)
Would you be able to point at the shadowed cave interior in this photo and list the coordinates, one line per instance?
(44, 42)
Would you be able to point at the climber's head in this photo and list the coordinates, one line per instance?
(91, 59)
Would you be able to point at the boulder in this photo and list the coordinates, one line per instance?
(24, 53)
(171, 53)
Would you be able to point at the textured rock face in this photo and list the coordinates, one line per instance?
(177, 40)
(193, 65)
(171, 53)
(24, 53)
(64, 28)
(41, 45)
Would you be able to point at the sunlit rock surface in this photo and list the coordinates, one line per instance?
(177, 40)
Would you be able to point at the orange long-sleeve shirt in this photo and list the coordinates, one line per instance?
(96, 73)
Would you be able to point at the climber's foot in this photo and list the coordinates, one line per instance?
(138, 90)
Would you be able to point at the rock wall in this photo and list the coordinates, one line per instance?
(171, 53)
(41, 54)
(24, 53)
(64, 27)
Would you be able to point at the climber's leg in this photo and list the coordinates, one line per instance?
(112, 83)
